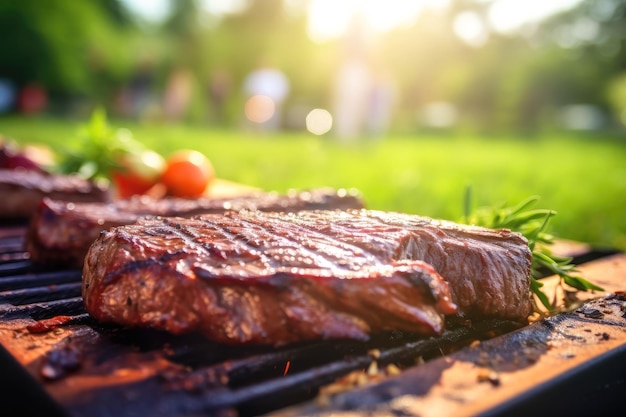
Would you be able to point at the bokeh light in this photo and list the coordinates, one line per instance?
(259, 109)
(319, 121)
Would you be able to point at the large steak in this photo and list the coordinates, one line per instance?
(61, 232)
(275, 278)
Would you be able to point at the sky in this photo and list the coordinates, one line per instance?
(330, 18)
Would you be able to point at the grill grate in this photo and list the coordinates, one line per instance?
(89, 369)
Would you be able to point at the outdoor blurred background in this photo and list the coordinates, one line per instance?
(480, 65)
(418, 81)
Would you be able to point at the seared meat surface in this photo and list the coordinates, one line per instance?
(22, 190)
(60, 232)
(488, 270)
(276, 278)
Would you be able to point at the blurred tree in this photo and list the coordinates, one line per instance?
(255, 33)
(617, 98)
(263, 30)
(65, 46)
(590, 42)
(182, 28)
(116, 13)
(517, 80)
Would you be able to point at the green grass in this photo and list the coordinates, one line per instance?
(582, 178)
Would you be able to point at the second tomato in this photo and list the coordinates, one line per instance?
(141, 171)
(187, 174)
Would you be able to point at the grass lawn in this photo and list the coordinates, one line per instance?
(582, 178)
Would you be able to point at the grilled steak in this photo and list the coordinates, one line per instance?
(275, 278)
(22, 190)
(61, 232)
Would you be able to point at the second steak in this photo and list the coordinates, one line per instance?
(61, 231)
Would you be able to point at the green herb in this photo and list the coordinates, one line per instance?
(533, 224)
(100, 148)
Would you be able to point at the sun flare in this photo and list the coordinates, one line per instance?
(331, 18)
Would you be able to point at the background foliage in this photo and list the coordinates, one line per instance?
(516, 81)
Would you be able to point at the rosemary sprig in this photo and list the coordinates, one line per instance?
(533, 224)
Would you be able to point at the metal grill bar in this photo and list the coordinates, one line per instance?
(11, 244)
(13, 256)
(32, 280)
(279, 390)
(38, 294)
(39, 311)
(14, 266)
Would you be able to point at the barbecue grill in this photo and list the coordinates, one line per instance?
(66, 364)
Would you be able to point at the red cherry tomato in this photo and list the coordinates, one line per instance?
(128, 185)
(187, 174)
(140, 173)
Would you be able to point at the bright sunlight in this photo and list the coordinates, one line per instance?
(331, 18)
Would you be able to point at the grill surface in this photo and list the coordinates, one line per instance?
(55, 351)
